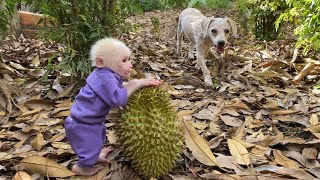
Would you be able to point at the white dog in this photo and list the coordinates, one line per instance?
(203, 33)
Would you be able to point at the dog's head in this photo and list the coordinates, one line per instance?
(218, 31)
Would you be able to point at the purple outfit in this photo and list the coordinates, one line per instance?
(85, 127)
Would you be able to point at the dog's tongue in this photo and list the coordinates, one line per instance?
(220, 50)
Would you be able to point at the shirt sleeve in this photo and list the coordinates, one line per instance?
(109, 89)
(111, 92)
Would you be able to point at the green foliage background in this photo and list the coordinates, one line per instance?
(305, 15)
(261, 16)
(82, 22)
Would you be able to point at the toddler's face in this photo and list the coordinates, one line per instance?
(122, 65)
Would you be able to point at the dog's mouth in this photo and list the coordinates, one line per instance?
(219, 49)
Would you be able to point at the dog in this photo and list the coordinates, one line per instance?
(203, 33)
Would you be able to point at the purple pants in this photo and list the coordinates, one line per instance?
(86, 140)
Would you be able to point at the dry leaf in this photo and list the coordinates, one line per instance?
(180, 177)
(185, 112)
(284, 112)
(314, 119)
(21, 175)
(30, 113)
(62, 114)
(239, 152)
(315, 171)
(200, 126)
(61, 145)
(237, 105)
(229, 111)
(283, 160)
(36, 61)
(305, 71)
(204, 114)
(271, 104)
(67, 91)
(231, 121)
(296, 173)
(227, 161)
(37, 73)
(315, 130)
(310, 153)
(217, 175)
(58, 137)
(39, 104)
(17, 66)
(198, 145)
(38, 142)
(308, 163)
(45, 167)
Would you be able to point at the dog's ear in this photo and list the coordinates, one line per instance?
(233, 26)
(205, 25)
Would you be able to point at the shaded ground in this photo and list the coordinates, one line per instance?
(261, 121)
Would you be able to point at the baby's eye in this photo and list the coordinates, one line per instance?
(124, 60)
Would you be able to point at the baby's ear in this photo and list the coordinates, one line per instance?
(99, 62)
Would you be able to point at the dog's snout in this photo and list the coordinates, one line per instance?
(221, 43)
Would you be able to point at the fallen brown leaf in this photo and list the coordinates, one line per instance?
(283, 160)
(45, 167)
(239, 152)
(21, 175)
(310, 152)
(38, 142)
(198, 145)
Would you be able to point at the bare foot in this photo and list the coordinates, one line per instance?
(104, 154)
(86, 171)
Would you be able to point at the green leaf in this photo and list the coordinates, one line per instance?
(94, 35)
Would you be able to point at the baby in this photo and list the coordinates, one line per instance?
(104, 89)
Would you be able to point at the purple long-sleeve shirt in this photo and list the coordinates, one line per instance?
(103, 91)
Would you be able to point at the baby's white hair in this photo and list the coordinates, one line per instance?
(106, 48)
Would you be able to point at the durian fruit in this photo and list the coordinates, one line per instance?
(150, 133)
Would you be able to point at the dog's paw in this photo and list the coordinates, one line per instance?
(208, 82)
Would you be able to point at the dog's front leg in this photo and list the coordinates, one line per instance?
(202, 65)
(191, 48)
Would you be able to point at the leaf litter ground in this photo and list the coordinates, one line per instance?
(259, 121)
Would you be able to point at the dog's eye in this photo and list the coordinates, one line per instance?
(214, 31)
(227, 31)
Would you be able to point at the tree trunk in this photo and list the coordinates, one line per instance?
(75, 10)
(112, 6)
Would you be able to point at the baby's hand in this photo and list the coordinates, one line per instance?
(150, 82)
(136, 84)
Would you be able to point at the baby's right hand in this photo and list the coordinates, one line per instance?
(150, 82)
(136, 84)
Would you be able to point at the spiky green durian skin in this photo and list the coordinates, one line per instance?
(150, 133)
